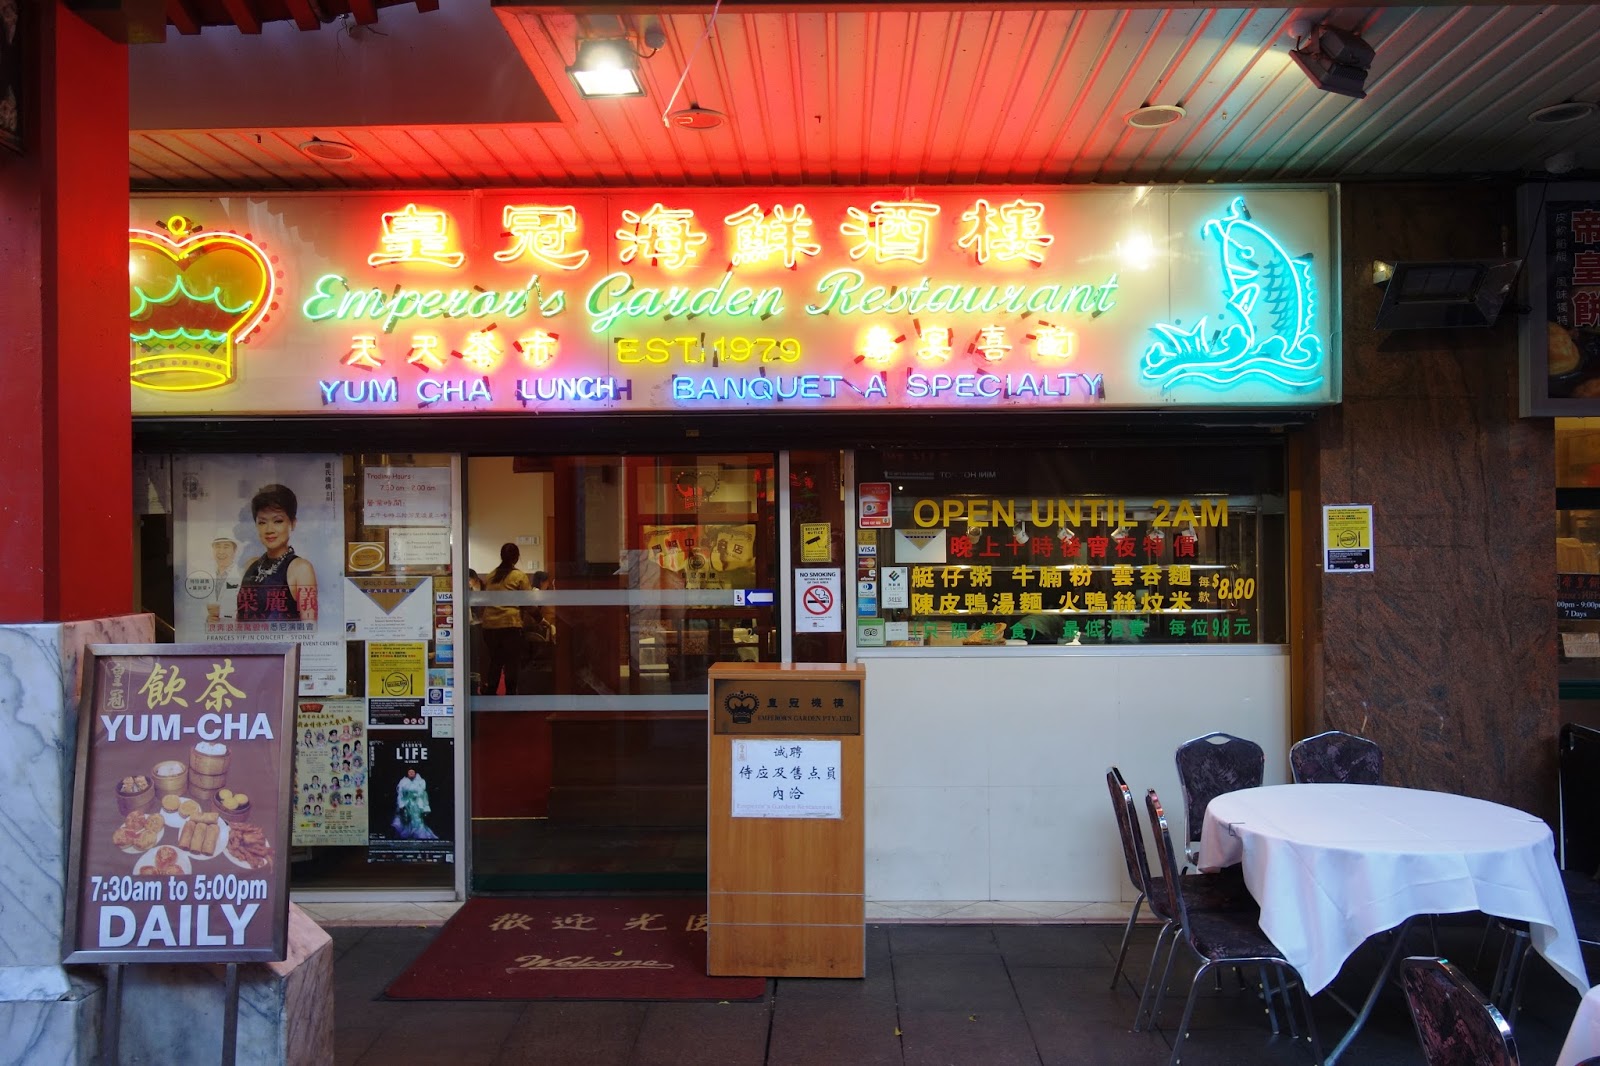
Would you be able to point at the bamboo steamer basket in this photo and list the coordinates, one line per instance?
(209, 766)
(240, 815)
(206, 797)
(171, 784)
(210, 781)
(141, 801)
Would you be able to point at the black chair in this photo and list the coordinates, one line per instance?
(1224, 891)
(1456, 1024)
(1336, 757)
(1209, 766)
(1583, 899)
(1578, 776)
(1220, 938)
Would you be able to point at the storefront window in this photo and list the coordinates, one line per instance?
(1578, 549)
(1078, 546)
(350, 557)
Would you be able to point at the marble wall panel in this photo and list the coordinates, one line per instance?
(1446, 655)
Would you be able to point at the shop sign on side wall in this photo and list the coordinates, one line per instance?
(1560, 340)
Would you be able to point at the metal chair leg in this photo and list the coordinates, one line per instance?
(1150, 976)
(1188, 1015)
(1311, 1025)
(1166, 975)
(1266, 997)
(1288, 1004)
(1122, 953)
(1520, 969)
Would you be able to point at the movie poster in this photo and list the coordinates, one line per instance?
(330, 773)
(411, 813)
(259, 556)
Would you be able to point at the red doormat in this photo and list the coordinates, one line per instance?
(610, 948)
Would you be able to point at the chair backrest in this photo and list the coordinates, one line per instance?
(1456, 1023)
(1132, 839)
(1172, 888)
(1211, 765)
(1335, 758)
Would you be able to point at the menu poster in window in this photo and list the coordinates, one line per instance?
(1560, 341)
(397, 682)
(330, 774)
(411, 809)
(406, 496)
(181, 814)
(259, 556)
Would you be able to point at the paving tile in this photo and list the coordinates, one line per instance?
(1083, 991)
(351, 1042)
(1068, 1038)
(677, 1033)
(443, 1036)
(1052, 945)
(574, 1034)
(810, 1034)
(953, 982)
(942, 939)
(978, 1038)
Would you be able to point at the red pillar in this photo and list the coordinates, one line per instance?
(66, 498)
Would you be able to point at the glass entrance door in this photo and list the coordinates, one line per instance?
(605, 588)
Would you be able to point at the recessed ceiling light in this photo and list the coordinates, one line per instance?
(1154, 116)
(1571, 111)
(328, 151)
(695, 117)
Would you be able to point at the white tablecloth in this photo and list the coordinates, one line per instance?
(1583, 1039)
(1332, 865)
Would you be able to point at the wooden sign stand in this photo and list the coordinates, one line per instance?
(786, 893)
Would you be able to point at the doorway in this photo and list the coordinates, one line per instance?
(588, 721)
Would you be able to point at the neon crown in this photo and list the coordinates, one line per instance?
(192, 296)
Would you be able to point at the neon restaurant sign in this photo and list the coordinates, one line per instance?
(690, 300)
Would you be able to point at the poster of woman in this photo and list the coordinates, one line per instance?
(258, 538)
(410, 806)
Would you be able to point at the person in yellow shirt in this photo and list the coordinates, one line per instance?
(502, 625)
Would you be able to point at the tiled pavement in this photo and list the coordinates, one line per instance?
(988, 995)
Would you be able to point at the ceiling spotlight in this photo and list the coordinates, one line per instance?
(606, 66)
(327, 151)
(1154, 116)
(1336, 61)
(1556, 114)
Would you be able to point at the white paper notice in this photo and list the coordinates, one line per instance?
(779, 778)
(380, 608)
(419, 547)
(406, 496)
(816, 600)
(919, 545)
(896, 587)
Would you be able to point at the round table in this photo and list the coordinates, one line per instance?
(1583, 1039)
(1332, 865)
